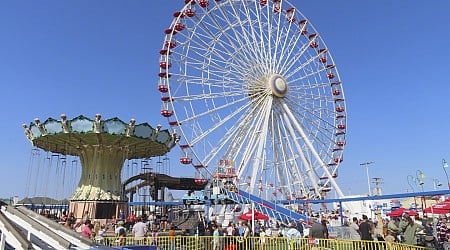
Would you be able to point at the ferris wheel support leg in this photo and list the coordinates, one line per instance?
(302, 155)
(313, 151)
(262, 141)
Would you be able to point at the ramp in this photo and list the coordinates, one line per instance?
(34, 228)
(76, 239)
(271, 209)
(11, 235)
(30, 226)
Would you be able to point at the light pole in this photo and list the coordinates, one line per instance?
(411, 181)
(377, 181)
(419, 178)
(366, 165)
(445, 166)
(436, 183)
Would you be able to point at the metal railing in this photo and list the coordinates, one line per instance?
(251, 243)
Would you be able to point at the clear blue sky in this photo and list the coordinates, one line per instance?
(87, 57)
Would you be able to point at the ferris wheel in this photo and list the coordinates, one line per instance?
(251, 93)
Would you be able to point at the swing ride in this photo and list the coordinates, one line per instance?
(102, 147)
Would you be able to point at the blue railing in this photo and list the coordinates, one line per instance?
(271, 209)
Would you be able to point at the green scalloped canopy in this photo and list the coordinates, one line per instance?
(144, 142)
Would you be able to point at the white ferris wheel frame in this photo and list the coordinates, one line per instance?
(252, 84)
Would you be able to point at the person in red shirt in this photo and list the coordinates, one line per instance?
(131, 219)
(87, 229)
(64, 217)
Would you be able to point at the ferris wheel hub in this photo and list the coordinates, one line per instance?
(278, 85)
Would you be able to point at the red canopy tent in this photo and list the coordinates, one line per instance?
(436, 211)
(439, 208)
(253, 214)
(400, 211)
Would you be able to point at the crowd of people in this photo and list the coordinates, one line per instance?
(262, 230)
(139, 227)
(405, 229)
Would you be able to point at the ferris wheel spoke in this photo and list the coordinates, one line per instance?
(285, 169)
(319, 139)
(246, 129)
(261, 141)
(287, 39)
(247, 31)
(231, 43)
(217, 56)
(308, 60)
(235, 36)
(310, 64)
(202, 48)
(292, 54)
(306, 46)
(233, 139)
(239, 132)
(311, 149)
(258, 127)
(309, 73)
(206, 96)
(317, 116)
(260, 30)
(217, 84)
(284, 155)
(217, 65)
(218, 124)
(314, 120)
(300, 89)
(299, 149)
(290, 153)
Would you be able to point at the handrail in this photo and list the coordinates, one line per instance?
(13, 235)
(34, 227)
(73, 237)
(271, 209)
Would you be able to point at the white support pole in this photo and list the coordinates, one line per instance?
(366, 165)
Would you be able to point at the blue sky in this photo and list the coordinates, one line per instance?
(88, 57)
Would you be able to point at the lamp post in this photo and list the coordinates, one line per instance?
(436, 183)
(366, 165)
(419, 178)
(411, 181)
(445, 166)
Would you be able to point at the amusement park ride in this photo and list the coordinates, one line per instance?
(256, 98)
(253, 99)
(102, 146)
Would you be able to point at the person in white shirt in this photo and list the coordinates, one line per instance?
(354, 230)
(292, 232)
(139, 229)
(119, 227)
